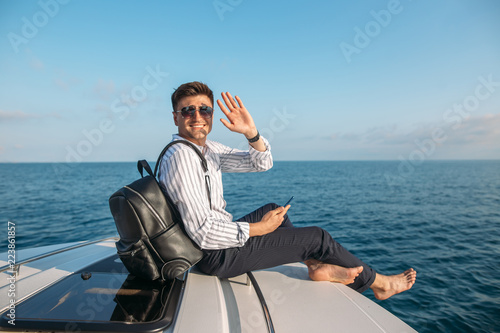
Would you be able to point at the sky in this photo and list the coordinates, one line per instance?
(408, 80)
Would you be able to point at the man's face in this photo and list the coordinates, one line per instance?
(195, 128)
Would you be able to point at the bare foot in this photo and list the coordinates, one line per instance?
(319, 271)
(386, 286)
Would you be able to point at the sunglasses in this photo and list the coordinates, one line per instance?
(188, 111)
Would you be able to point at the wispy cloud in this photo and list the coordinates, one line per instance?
(21, 115)
(105, 89)
(15, 115)
(34, 61)
(36, 64)
(483, 129)
(65, 81)
(477, 136)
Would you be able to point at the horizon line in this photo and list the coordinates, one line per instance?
(280, 160)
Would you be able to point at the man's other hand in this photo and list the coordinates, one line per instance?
(270, 222)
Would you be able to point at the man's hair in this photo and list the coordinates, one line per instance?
(191, 89)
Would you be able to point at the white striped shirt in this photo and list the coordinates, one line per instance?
(182, 175)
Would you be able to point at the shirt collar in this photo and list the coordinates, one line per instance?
(208, 143)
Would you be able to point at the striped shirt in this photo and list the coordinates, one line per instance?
(182, 175)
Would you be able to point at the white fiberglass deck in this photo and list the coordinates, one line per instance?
(210, 304)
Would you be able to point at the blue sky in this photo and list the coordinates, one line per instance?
(86, 81)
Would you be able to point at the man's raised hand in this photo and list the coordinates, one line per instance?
(239, 119)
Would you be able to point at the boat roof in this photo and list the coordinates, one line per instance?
(85, 287)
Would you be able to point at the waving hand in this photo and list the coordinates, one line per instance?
(239, 119)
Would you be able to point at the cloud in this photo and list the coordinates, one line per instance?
(36, 64)
(21, 115)
(15, 115)
(105, 89)
(473, 137)
(384, 136)
(483, 129)
(34, 61)
(64, 81)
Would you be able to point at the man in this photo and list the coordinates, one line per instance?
(265, 237)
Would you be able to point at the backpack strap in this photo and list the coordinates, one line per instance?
(200, 155)
(187, 143)
(144, 165)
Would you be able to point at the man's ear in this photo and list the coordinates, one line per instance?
(175, 118)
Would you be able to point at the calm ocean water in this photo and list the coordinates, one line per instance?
(441, 218)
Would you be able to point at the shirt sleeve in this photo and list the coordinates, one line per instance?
(252, 160)
(182, 176)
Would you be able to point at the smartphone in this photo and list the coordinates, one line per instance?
(288, 202)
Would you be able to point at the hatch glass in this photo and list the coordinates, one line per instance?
(95, 297)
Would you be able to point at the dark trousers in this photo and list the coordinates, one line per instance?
(286, 244)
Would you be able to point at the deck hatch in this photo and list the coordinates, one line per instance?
(94, 299)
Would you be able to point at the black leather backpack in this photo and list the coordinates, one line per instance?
(153, 244)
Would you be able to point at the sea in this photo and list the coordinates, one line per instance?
(440, 217)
